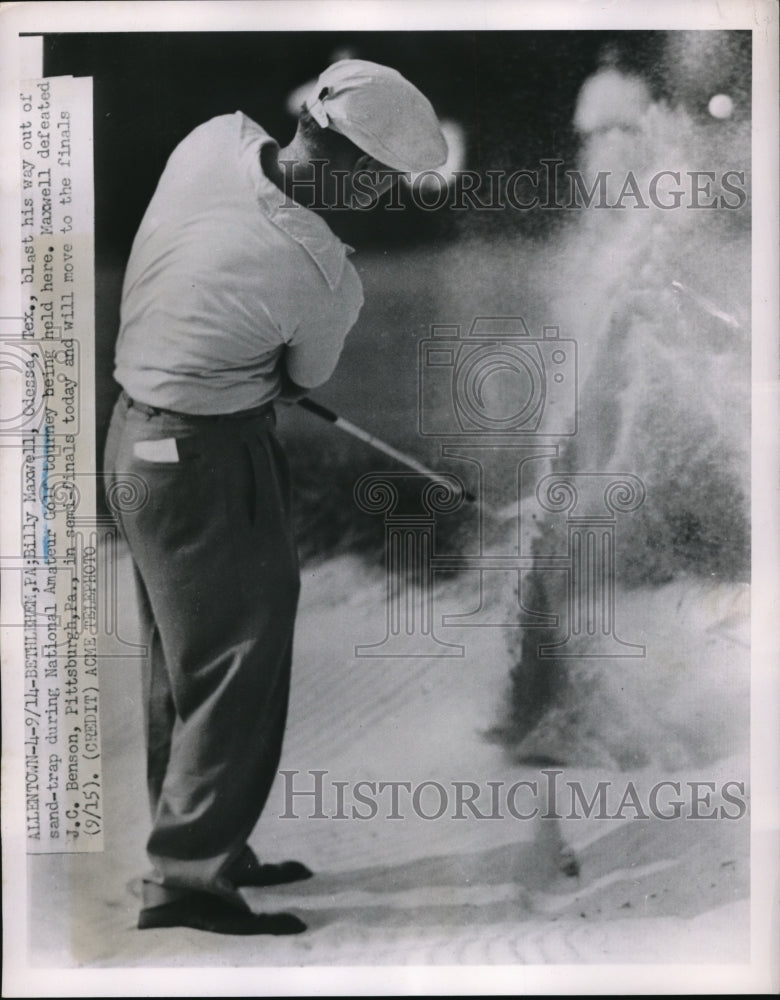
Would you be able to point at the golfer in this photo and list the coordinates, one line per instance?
(237, 293)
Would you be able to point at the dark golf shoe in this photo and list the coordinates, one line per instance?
(248, 871)
(206, 912)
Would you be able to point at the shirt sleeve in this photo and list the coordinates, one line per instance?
(326, 318)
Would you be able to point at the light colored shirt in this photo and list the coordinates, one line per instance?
(228, 280)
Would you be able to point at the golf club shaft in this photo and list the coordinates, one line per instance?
(349, 428)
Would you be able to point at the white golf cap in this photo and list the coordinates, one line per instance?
(381, 112)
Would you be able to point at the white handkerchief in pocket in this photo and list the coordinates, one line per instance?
(163, 450)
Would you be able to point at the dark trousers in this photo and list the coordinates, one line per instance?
(217, 579)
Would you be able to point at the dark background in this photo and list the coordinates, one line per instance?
(513, 94)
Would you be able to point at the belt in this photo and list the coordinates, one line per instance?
(267, 409)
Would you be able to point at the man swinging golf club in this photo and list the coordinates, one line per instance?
(236, 293)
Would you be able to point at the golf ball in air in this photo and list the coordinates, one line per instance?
(720, 106)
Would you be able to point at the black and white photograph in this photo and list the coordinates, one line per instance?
(388, 434)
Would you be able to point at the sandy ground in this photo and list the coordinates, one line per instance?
(412, 890)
